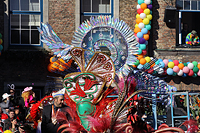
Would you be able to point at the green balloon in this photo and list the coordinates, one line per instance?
(137, 62)
(195, 63)
(195, 69)
(185, 64)
(174, 73)
(1, 47)
(142, 46)
(140, 2)
(148, 26)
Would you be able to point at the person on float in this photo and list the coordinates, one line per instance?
(50, 123)
(28, 95)
(192, 39)
(6, 102)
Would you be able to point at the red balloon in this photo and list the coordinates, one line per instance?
(139, 11)
(144, 52)
(176, 62)
(190, 73)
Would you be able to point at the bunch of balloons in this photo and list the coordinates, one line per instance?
(143, 24)
(1, 42)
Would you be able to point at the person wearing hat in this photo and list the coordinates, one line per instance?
(50, 123)
(5, 103)
(192, 38)
(28, 95)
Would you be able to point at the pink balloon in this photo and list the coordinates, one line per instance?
(190, 73)
(198, 73)
(186, 70)
(176, 69)
(166, 62)
(176, 62)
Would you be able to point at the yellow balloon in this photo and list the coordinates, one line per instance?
(148, 59)
(145, 21)
(149, 17)
(147, 11)
(138, 15)
(171, 64)
(136, 25)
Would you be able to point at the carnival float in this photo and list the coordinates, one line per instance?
(106, 70)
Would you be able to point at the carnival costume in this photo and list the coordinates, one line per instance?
(190, 39)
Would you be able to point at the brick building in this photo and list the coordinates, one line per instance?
(24, 59)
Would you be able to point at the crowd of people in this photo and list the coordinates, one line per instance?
(13, 110)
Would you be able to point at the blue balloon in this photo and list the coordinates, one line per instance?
(188, 62)
(140, 2)
(160, 60)
(170, 60)
(146, 43)
(139, 35)
(169, 71)
(142, 46)
(144, 31)
(161, 64)
(139, 51)
(184, 75)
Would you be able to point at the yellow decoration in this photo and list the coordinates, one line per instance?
(146, 11)
(138, 15)
(146, 21)
(148, 59)
(149, 17)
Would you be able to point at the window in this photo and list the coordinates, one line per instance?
(189, 10)
(95, 7)
(25, 17)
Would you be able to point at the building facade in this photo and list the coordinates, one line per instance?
(25, 58)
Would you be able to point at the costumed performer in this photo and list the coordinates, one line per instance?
(50, 123)
(28, 95)
(192, 38)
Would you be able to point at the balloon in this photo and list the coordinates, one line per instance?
(170, 60)
(185, 64)
(190, 66)
(195, 63)
(169, 71)
(142, 40)
(166, 62)
(143, 6)
(146, 36)
(143, 15)
(147, 2)
(138, 16)
(180, 73)
(195, 69)
(174, 74)
(194, 75)
(142, 61)
(190, 73)
(145, 20)
(181, 65)
(149, 6)
(148, 59)
(149, 16)
(137, 29)
(144, 31)
(141, 25)
(142, 46)
(144, 52)
(139, 35)
(148, 26)
(139, 51)
(176, 62)
(136, 25)
(137, 62)
(186, 69)
(184, 75)
(198, 73)
(171, 64)
(1, 47)
(176, 69)
(146, 42)
(140, 57)
(146, 11)
(138, 20)
(139, 11)
(161, 64)
(1, 41)
(198, 65)
(138, 6)
(140, 66)
(140, 2)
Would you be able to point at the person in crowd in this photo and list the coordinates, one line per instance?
(12, 97)
(28, 95)
(5, 102)
(8, 122)
(192, 39)
(3, 116)
(50, 112)
(184, 32)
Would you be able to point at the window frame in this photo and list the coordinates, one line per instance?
(24, 12)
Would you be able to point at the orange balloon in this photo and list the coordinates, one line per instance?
(140, 57)
(138, 20)
(181, 66)
(142, 61)
(198, 65)
(137, 29)
(143, 6)
(146, 36)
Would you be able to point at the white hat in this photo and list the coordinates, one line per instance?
(59, 93)
(27, 89)
(5, 95)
